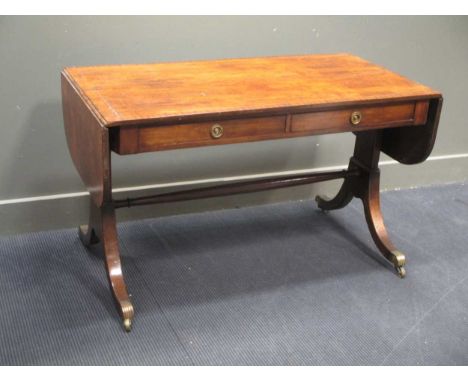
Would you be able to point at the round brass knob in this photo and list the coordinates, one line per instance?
(217, 131)
(355, 118)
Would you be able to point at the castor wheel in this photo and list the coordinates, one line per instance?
(127, 324)
(319, 200)
(401, 271)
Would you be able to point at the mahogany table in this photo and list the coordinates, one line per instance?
(131, 109)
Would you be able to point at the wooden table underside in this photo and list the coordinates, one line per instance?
(144, 108)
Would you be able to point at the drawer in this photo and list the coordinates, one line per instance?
(367, 117)
(152, 138)
(133, 139)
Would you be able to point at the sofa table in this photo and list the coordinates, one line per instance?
(132, 109)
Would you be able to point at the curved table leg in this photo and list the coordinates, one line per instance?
(371, 201)
(366, 186)
(102, 229)
(88, 234)
(341, 199)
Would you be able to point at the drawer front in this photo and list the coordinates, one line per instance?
(131, 140)
(153, 138)
(368, 117)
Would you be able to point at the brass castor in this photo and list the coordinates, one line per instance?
(127, 324)
(318, 200)
(401, 271)
(398, 259)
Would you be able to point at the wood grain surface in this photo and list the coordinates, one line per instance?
(88, 143)
(189, 91)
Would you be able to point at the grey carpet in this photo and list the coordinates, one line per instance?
(281, 284)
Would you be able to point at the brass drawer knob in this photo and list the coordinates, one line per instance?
(217, 131)
(355, 118)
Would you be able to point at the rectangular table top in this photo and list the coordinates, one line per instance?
(127, 94)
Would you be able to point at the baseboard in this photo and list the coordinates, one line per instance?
(70, 209)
